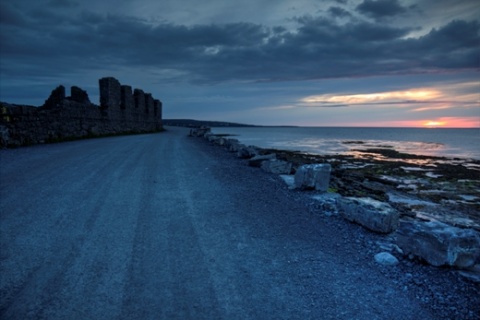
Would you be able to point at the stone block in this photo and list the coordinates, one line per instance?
(218, 140)
(257, 160)
(289, 180)
(277, 166)
(245, 152)
(372, 214)
(313, 176)
(200, 132)
(439, 244)
(233, 145)
(327, 203)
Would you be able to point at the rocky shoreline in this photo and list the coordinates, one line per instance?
(427, 208)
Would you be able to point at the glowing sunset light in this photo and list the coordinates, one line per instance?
(421, 95)
(447, 122)
(432, 124)
(443, 122)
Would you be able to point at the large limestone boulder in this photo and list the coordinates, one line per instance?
(289, 180)
(233, 145)
(439, 244)
(200, 132)
(313, 176)
(277, 166)
(374, 215)
(257, 160)
(327, 203)
(216, 139)
(245, 152)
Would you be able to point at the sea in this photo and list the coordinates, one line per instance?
(442, 142)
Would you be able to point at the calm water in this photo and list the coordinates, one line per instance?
(459, 143)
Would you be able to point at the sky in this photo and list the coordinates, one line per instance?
(369, 63)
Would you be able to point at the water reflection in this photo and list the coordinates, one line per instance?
(452, 143)
(359, 147)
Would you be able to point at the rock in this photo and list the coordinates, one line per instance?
(233, 145)
(211, 137)
(277, 166)
(289, 180)
(472, 273)
(375, 215)
(257, 160)
(245, 152)
(221, 141)
(218, 140)
(199, 132)
(439, 244)
(313, 176)
(328, 203)
(386, 259)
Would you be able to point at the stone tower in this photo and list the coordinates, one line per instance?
(110, 93)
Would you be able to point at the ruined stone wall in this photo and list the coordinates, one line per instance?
(62, 118)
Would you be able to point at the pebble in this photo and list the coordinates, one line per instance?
(386, 259)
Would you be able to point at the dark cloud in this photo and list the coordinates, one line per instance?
(339, 12)
(62, 4)
(53, 43)
(453, 46)
(379, 9)
(9, 15)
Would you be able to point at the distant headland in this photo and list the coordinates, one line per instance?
(62, 117)
(190, 123)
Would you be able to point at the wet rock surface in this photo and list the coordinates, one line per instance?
(428, 188)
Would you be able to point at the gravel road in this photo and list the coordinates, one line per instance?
(161, 226)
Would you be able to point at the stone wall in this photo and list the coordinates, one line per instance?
(70, 117)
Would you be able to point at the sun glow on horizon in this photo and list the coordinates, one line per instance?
(434, 124)
(443, 122)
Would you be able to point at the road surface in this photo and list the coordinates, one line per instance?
(157, 227)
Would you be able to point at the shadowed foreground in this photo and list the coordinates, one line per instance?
(157, 227)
